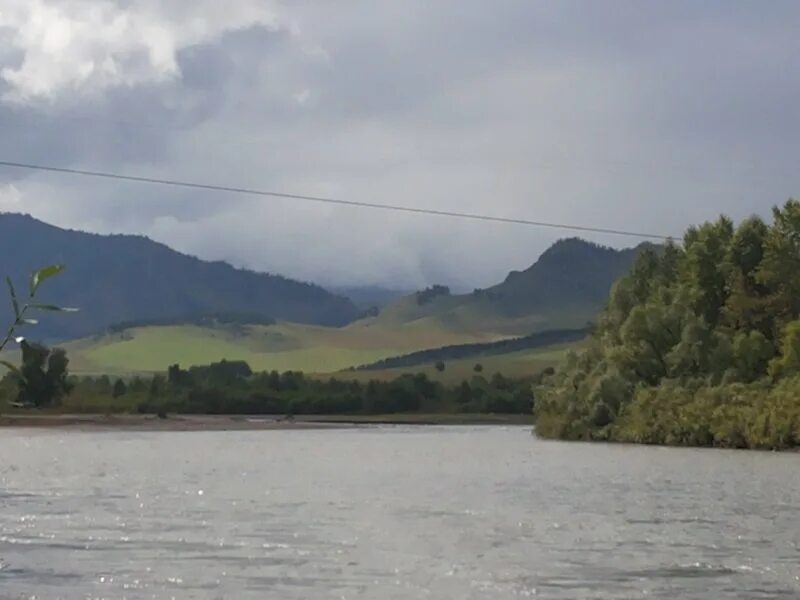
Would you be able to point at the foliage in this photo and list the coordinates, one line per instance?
(23, 306)
(428, 294)
(229, 387)
(42, 377)
(698, 345)
(120, 389)
(202, 320)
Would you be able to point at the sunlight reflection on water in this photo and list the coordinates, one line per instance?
(401, 512)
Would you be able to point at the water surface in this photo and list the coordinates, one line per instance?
(391, 512)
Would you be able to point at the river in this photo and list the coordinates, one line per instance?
(390, 512)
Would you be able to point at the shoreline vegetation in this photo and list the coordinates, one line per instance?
(230, 392)
(699, 346)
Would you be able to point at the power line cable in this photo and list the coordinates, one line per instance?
(320, 199)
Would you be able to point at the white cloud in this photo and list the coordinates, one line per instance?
(303, 97)
(87, 46)
(10, 198)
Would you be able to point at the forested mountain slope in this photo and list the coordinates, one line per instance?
(118, 278)
(565, 288)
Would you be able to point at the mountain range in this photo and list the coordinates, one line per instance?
(116, 279)
(564, 289)
(122, 278)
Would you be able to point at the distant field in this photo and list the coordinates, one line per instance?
(514, 364)
(282, 347)
(466, 314)
(290, 346)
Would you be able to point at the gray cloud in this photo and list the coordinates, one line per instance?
(648, 116)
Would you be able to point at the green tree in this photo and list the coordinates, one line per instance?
(42, 378)
(780, 266)
(706, 250)
(788, 363)
(752, 352)
(698, 345)
(120, 389)
(746, 307)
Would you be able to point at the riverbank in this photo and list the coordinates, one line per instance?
(245, 422)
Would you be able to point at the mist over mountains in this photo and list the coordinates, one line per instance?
(117, 279)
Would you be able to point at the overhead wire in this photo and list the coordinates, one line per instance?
(327, 200)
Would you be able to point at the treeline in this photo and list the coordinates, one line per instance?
(461, 351)
(202, 320)
(429, 294)
(699, 345)
(230, 387)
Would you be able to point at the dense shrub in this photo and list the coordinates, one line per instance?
(699, 345)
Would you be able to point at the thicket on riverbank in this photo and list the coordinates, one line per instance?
(699, 345)
(230, 387)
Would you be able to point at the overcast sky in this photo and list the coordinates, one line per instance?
(624, 114)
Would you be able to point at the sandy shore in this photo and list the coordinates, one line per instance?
(153, 423)
(245, 422)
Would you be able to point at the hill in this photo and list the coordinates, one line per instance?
(121, 278)
(145, 306)
(564, 289)
(323, 351)
(521, 364)
(479, 350)
(280, 346)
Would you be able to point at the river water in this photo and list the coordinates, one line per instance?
(390, 512)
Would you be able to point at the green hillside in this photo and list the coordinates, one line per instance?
(524, 363)
(480, 351)
(282, 347)
(564, 289)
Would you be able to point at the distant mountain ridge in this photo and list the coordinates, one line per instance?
(564, 289)
(570, 271)
(120, 278)
(125, 279)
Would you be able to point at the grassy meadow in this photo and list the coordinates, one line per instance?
(281, 347)
(513, 364)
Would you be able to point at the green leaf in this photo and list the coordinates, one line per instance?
(10, 366)
(13, 297)
(42, 275)
(53, 307)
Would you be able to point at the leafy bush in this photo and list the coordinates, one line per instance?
(699, 345)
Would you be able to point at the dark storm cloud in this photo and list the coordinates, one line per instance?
(623, 114)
